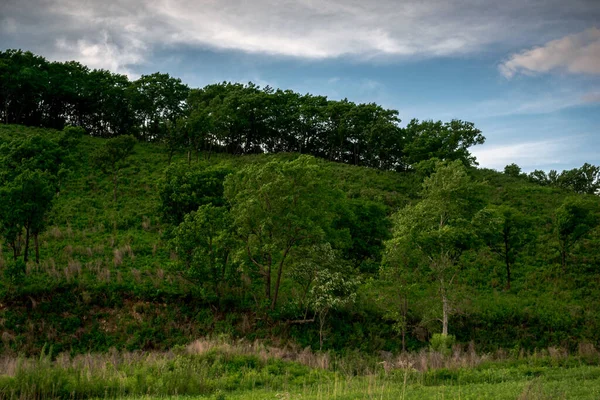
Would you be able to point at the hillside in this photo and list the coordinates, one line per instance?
(109, 275)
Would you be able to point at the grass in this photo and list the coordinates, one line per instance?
(221, 369)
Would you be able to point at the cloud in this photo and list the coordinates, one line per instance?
(578, 53)
(528, 155)
(102, 53)
(116, 34)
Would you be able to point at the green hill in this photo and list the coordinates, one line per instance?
(110, 274)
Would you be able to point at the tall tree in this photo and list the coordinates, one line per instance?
(445, 141)
(506, 231)
(573, 221)
(156, 99)
(276, 208)
(204, 244)
(438, 229)
(31, 172)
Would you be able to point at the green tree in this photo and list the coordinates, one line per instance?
(331, 290)
(184, 189)
(156, 99)
(574, 219)
(276, 208)
(445, 141)
(204, 243)
(437, 229)
(506, 231)
(113, 156)
(31, 172)
(25, 203)
(584, 180)
(513, 170)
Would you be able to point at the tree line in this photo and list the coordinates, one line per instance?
(583, 180)
(226, 117)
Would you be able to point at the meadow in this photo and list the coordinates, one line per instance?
(225, 369)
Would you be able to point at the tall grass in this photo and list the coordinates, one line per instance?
(218, 366)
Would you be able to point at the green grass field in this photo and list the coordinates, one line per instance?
(240, 370)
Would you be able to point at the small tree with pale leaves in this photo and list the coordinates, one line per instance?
(331, 291)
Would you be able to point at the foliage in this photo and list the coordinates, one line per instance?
(331, 290)
(186, 188)
(277, 208)
(113, 156)
(574, 220)
(442, 343)
(506, 231)
(204, 244)
(437, 230)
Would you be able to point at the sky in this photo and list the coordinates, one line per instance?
(526, 72)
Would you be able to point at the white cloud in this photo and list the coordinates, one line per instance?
(115, 33)
(577, 53)
(528, 155)
(101, 53)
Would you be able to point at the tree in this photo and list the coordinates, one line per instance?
(445, 141)
(185, 189)
(203, 243)
(25, 202)
(573, 221)
(113, 156)
(513, 170)
(437, 230)
(331, 290)
(276, 208)
(584, 180)
(506, 231)
(156, 99)
(31, 172)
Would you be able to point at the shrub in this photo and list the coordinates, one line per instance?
(442, 343)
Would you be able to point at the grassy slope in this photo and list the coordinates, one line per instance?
(104, 280)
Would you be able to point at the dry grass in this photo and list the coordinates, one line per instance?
(289, 352)
(104, 275)
(68, 250)
(55, 233)
(120, 253)
(72, 269)
(137, 275)
(146, 224)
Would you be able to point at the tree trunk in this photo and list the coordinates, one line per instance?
(278, 281)
(26, 252)
(37, 247)
(14, 249)
(444, 314)
(404, 312)
(268, 279)
(322, 316)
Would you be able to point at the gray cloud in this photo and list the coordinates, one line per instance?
(119, 34)
(576, 53)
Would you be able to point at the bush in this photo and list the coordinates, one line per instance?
(442, 343)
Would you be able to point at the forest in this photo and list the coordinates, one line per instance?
(139, 216)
